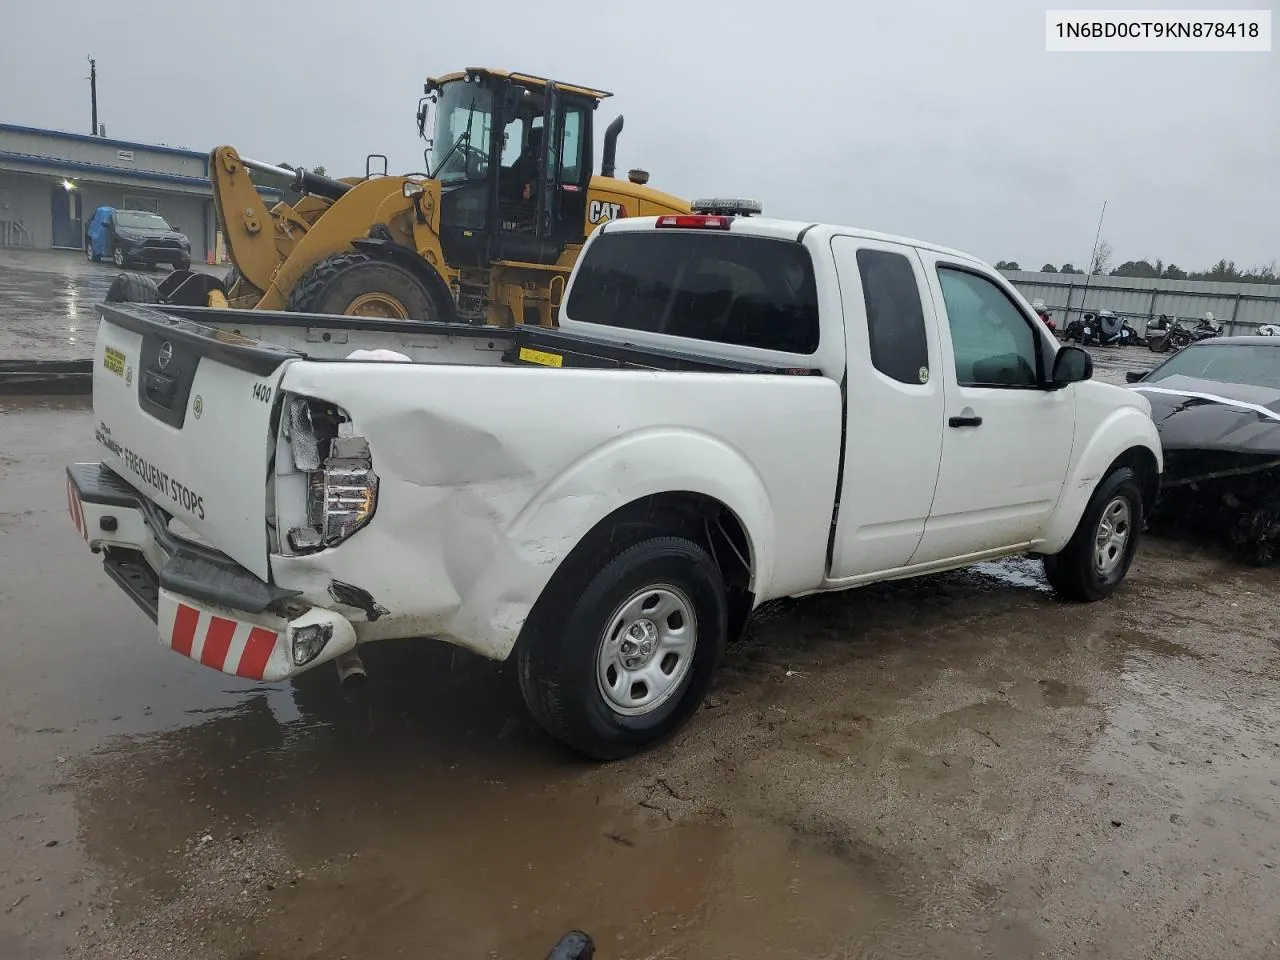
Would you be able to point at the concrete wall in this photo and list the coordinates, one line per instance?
(25, 201)
(1241, 307)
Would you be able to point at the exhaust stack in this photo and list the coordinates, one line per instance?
(608, 160)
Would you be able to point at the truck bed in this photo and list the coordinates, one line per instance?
(314, 336)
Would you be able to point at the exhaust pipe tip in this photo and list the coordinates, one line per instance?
(351, 673)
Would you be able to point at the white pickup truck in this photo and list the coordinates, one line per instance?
(733, 409)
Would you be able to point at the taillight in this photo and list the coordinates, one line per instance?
(342, 489)
(695, 221)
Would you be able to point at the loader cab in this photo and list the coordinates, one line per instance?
(513, 156)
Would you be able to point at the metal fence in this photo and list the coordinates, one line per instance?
(1240, 307)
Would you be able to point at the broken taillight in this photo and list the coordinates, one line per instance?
(341, 487)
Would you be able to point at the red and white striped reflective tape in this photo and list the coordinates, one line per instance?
(76, 511)
(234, 647)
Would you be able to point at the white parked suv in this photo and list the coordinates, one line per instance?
(733, 409)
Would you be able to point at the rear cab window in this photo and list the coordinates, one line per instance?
(724, 288)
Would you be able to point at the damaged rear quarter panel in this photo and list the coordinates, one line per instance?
(489, 476)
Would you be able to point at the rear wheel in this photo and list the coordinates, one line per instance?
(356, 284)
(1096, 559)
(619, 660)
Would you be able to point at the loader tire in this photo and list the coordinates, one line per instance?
(132, 288)
(356, 284)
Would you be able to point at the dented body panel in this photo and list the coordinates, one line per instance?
(481, 501)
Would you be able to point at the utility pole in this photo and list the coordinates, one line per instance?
(1089, 272)
(93, 92)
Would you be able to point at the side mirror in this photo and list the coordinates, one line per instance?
(1133, 376)
(1071, 365)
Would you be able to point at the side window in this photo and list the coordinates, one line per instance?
(571, 147)
(895, 318)
(512, 142)
(993, 342)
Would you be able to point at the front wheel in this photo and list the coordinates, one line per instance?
(117, 257)
(615, 664)
(1096, 559)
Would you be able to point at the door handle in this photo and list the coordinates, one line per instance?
(964, 422)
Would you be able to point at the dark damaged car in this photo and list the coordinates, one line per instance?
(1216, 404)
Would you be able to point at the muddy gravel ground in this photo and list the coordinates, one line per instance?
(953, 767)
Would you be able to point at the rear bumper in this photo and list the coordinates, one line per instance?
(205, 606)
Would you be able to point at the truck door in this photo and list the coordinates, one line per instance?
(894, 407)
(1007, 440)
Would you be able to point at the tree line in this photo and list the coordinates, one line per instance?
(1223, 270)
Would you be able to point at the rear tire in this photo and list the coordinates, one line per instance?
(1095, 562)
(356, 284)
(666, 597)
(1159, 344)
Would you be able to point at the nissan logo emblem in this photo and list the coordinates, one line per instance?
(166, 354)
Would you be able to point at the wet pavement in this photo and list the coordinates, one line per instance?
(954, 767)
(47, 302)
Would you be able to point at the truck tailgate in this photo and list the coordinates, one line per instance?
(184, 413)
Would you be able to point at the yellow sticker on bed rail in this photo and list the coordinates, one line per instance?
(542, 357)
(113, 360)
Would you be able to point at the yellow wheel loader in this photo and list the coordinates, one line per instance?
(488, 235)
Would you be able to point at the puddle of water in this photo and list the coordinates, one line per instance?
(1016, 572)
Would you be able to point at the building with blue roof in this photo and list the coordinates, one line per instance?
(51, 181)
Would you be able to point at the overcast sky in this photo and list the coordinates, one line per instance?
(940, 119)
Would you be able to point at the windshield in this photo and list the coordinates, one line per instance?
(462, 108)
(1244, 363)
(140, 220)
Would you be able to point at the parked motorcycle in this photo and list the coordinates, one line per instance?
(1106, 329)
(1043, 312)
(1177, 336)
